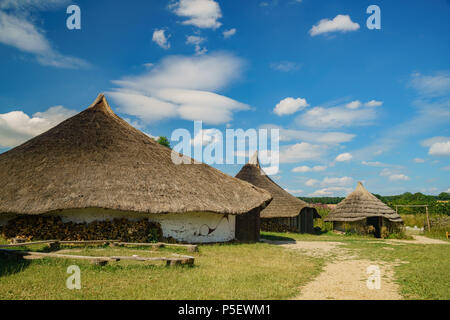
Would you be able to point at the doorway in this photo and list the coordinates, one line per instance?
(376, 223)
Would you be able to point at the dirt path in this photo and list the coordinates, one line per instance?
(345, 276)
(419, 240)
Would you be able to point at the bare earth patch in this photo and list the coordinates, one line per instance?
(346, 280)
(419, 240)
(345, 276)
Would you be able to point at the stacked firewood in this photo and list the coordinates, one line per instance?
(53, 228)
(272, 226)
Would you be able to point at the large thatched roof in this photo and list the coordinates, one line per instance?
(284, 204)
(362, 204)
(97, 160)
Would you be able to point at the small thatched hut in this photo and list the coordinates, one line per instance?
(364, 213)
(285, 212)
(96, 167)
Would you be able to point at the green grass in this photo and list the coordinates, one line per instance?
(228, 271)
(425, 273)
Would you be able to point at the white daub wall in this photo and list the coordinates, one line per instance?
(200, 227)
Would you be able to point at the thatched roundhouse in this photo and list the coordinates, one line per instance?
(364, 213)
(96, 167)
(285, 212)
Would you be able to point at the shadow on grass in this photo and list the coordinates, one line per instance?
(11, 264)
(277, 238)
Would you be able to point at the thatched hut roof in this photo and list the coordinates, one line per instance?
(361, 204)
(97, 160)
(283, 205)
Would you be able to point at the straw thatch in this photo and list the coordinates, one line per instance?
(283, 205)
(97, 160)
(361, 204)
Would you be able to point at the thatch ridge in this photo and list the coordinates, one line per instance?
(283, 205)
(97, 160)
(361, 204)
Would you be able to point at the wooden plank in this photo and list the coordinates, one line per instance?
(29, 254)
(25, 244)
(90, 242)
(189, 247)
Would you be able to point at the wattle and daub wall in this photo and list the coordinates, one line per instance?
(100, 224)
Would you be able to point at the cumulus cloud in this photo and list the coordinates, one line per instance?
(160, 38)
(17, 30)
(419, 160)
(17, 127)
(336, 117)
(438, 146)
(183, 87)
(301, 152)
(199, 13)
(197, 41)
(290, 106)
(344, 157)
(354, 104)
(343, 181)
(295, 192)
(398, 177)
(332, 191)
(229, 33)
(303, 169)
(341, 23)
(312, 182)
(374, 103)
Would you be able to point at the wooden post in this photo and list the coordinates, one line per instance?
(428, 219)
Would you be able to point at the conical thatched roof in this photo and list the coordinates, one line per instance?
(283, 205)
(97, 160)
(362, 204)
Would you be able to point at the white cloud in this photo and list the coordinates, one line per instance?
(336, 117)
(419, 160)
(182, 87)
(344, 181)
(393, 176)
(300, 152)
(17, 127)
(341, 23)
(398, 177)
(295, 192)
(354, 104)
(285, 66)
(312, 182)
(197, 41)
(331, 192)
(439, 146)
(18, 32)
(160, 38)
(440, 149)
(432, 85)
(229, 33)
(312, 136)
(344, 157)
(290, 106)
(374, 103)
(303, 169)
(199, 13)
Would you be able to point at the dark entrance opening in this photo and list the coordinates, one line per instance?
(375, 222)
(306, 219)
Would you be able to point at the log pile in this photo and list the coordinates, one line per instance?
(272, 226)
(34, 228)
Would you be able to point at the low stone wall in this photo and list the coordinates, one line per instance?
(53, 228)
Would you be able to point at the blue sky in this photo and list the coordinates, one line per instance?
(352, 104)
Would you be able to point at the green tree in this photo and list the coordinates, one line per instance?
(164, 141)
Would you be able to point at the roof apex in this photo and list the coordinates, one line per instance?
(101, 104)
(254, 160)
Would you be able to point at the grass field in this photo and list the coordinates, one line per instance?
(227, 271)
